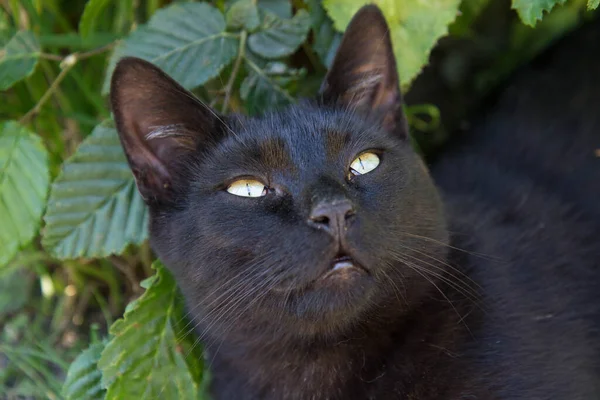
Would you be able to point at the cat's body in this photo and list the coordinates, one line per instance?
(327, 284)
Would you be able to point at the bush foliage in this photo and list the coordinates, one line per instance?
(73, 229)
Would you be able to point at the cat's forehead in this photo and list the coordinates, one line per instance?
(304, 136)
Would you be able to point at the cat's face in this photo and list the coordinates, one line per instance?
(308, 218)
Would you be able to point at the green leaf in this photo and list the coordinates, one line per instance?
(15, 290)
(415, 27)
(326, 38)
(243, 14)
(146, 358)
(94, 208)
(91, 14)
(24, 181)
(18, 58)
(187, 40)
(84, 379)
(265, 87)
(593, 4)
(279, 37)
(532, 11)
(281, 8)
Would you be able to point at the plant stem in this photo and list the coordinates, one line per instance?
(48, 93)
(99, 50)
(66, 65)
(234, 71)
(52, 57)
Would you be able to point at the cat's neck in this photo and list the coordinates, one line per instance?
(356, 365)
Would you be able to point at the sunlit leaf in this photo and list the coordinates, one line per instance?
(187, 40)
(94, 208)
(415, 27)
(593, 4)
(279, 37)
(24, 181)
(532, 11)
(147, 357)
(84, 379)
(18, 58)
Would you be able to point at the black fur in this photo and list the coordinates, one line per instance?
(491, 291)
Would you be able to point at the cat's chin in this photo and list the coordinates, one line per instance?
(334, 296)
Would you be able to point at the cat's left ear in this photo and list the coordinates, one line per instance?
(364, 75)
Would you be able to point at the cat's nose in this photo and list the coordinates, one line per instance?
(331, 216)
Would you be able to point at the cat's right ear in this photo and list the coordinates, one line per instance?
(159, 124)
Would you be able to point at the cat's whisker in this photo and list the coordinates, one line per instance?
(257, 299)
(464, 284)
(423, 273)
(227, 307)
(481, 255)
(472, 296)
(228, 294)
(240, 278)
(397, 291)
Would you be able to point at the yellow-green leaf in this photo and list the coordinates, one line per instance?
(532, 11)
(415, 27)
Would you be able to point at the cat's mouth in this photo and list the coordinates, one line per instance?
(342, 268)
(344, 265)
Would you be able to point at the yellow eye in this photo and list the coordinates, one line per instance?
(247, 188)
(364, 163)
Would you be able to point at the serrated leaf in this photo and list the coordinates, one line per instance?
(265, 86)
(279, 37)
(90, 16)
(187, 40)
(94, 208)
(243, 14)
(593, 4)
(532, 11)
(24, 181)
(146, 358)
(84, 379)
(415, 27)
(18, 58)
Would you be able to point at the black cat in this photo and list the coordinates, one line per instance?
(319, 260)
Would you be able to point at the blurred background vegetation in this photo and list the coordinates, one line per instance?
(57, 295)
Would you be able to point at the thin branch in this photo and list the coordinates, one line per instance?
(234, 72)
(52, 57)
(66, 67)
(99, 50)
(66, 64)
